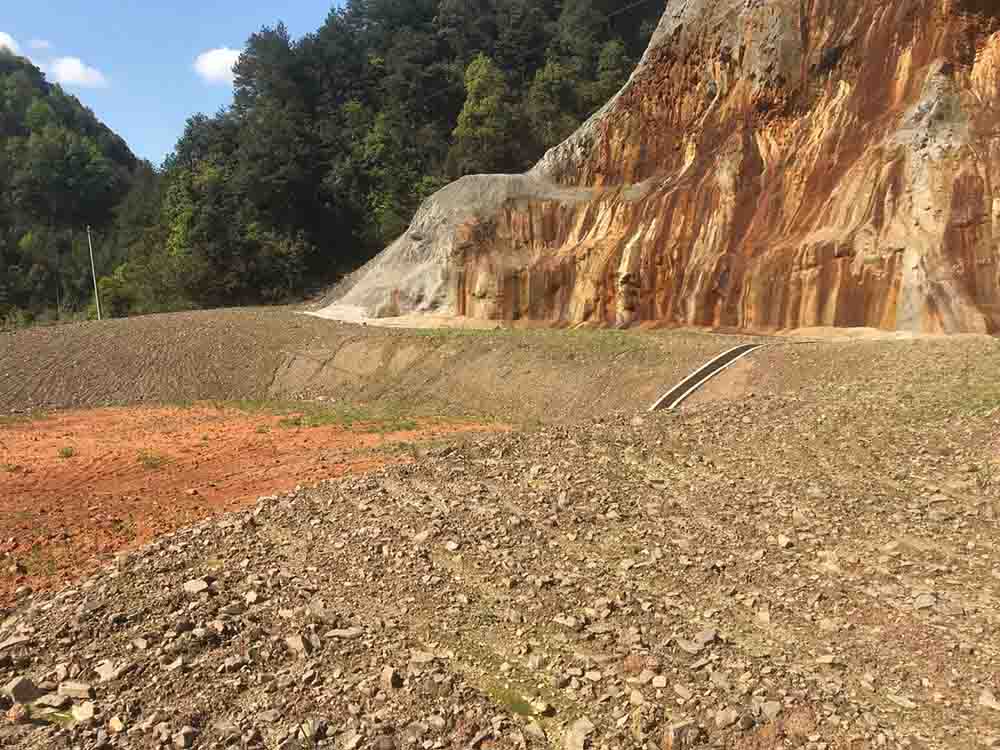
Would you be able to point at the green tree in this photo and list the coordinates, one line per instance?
(550, 104)
(613, 69)
(524, 29)
(481, 138)
(467, 27)
(576, 43)
(331, 143)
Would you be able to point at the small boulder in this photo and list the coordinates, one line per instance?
(21, 689)
(84, 711)
(53, 700)
(390, 679)
(726, 717)
(76, 690)
(299, 646)
(577, 734)
(196, 586)
(683, 735)
(185, 737)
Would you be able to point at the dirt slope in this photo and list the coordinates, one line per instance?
(814, 566)
(78, 487)
(222, 354)
(258, 354)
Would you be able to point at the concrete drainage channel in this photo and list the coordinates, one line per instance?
(676, 395)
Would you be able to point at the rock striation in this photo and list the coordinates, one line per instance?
(770, 164)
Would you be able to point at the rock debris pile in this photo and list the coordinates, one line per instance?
(664, 582)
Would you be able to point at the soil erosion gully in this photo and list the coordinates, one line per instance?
(676, 395)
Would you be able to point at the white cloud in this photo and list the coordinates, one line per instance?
(8, 42)
(216, 65)
(69, 71)
(72, 71)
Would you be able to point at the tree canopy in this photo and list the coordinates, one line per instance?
(331, 143)
(60, 170)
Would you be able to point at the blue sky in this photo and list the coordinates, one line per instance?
(145, 66)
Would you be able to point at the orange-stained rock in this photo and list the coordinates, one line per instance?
(770, 164)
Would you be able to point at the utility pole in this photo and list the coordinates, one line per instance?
(93, 272)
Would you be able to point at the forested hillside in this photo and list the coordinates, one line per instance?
(60, 170)
(334, 139)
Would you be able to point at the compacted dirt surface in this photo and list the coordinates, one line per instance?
(222, 355)
(79, 486)
(805, 557)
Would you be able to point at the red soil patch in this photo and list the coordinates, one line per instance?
(136, 473)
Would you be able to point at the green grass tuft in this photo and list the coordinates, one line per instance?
(153, 461)
(383, 417)
(12, 419)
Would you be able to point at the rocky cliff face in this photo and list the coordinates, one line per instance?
(770, 164)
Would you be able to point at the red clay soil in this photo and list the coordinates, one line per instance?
(78, 487)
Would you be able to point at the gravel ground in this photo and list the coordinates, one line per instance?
(813, 565)
(76, 487)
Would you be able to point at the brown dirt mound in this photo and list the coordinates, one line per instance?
(79, 486)
(219, 354)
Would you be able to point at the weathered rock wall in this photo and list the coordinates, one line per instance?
(770, 164)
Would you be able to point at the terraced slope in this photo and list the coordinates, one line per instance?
(277, 353)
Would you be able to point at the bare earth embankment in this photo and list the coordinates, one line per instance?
(805, 556)
(80, 486)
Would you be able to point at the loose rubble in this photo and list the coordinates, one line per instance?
(617, 584)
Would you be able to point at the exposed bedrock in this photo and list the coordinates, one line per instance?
(770, 164)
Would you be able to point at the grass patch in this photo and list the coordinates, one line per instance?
(67, 451)
(263, 429)
(406, 448)
(368, 421)
(11, 468)
(385, 416)
(153, 461)
(58, 718)
(512, 700)
(39, 562)
(12, 419)
(578, 342)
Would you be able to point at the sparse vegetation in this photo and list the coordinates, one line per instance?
(67, 451)
(988, 477)
(39, 561)
(385, 416)
(512, 700)
(578, 343)
(152, 460)
(12, 419)
(59, 718)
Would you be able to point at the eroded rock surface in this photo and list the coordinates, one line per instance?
(770, 164)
